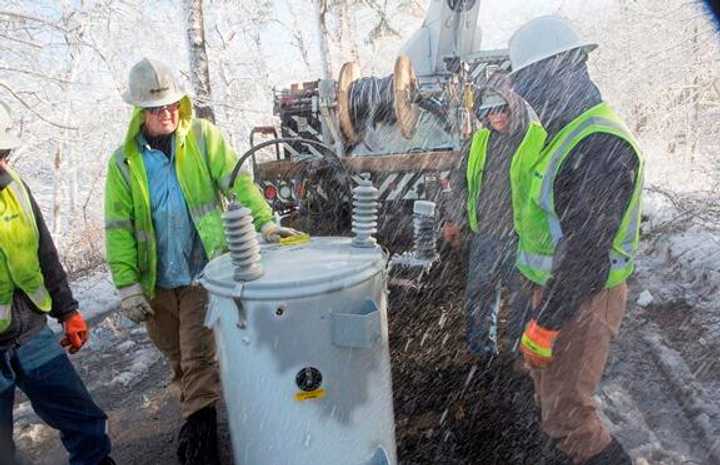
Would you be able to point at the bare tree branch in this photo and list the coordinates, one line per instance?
(11, 14)
(383, 26)
(20, 41)
(37, 75)
(30, 108)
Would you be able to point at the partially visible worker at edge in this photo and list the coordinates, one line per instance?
(579, 236)
(163, 223)
(496, 303)
(33, 284)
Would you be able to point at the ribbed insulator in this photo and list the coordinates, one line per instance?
(365, 213)
(242, 242)
(424, 225)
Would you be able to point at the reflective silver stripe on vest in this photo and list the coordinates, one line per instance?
(534, 261)
(197, 131)
(202, 210)
(5, 310)
(119, 224)
(544, 263)
(39, 296)
(629, 239)
(618, 262)
(119, 157)
(546, 193)
(141, 236)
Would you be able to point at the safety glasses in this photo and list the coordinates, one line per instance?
(172, 107)
(485, 112)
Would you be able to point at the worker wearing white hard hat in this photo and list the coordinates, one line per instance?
(542, 38)
(163, 209)
(579, 235)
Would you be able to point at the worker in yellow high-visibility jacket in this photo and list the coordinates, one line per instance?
(33, 285)
(491, 191)
(163, 206)
(579, 235)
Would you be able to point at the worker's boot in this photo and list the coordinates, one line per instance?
(197, 442)
(613, 454)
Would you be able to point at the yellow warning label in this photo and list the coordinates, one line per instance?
(316, 394)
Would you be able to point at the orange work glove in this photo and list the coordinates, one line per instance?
(76, 332)
(537, 343)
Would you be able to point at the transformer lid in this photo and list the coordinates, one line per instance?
(325, 264)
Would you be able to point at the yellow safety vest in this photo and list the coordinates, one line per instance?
(19, 242)
(541, 231)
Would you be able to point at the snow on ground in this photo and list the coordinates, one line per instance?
(96, 295)
(143, 359)
(676, 327)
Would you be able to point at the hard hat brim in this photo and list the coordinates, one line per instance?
(587, 48)
(166, 100)
(498, 99)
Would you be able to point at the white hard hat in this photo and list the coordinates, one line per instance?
(489, 100)
(152, 84)
(8, 139)
(543, 38)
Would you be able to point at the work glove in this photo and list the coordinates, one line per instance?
(76, 332)
(537, 344)
(272, 233)
(452, 234)
(134, 304)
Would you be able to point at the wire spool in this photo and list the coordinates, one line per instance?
(349, 72)
(372, 103)
(405, 93)
(366, 102)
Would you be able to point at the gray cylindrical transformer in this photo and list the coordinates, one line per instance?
(304, 355)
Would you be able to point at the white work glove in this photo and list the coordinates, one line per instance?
(272, 233)
(134, 304)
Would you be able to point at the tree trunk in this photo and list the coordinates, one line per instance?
(694, 113)
(57, 192)
(71, 158)
(66, 166)
(321, 10)
(199, 65)
(346, 32)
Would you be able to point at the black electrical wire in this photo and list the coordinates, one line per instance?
(371, 102)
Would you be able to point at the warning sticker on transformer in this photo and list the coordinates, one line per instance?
(316, 394)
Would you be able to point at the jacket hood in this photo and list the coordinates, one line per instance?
(558, 89)
(138, 119)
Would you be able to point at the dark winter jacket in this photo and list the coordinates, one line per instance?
(494, 199)
(494, 203)
(27, 320)
(592, 189)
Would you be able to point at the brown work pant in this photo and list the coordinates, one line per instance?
(178, 330)
(565, 389)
